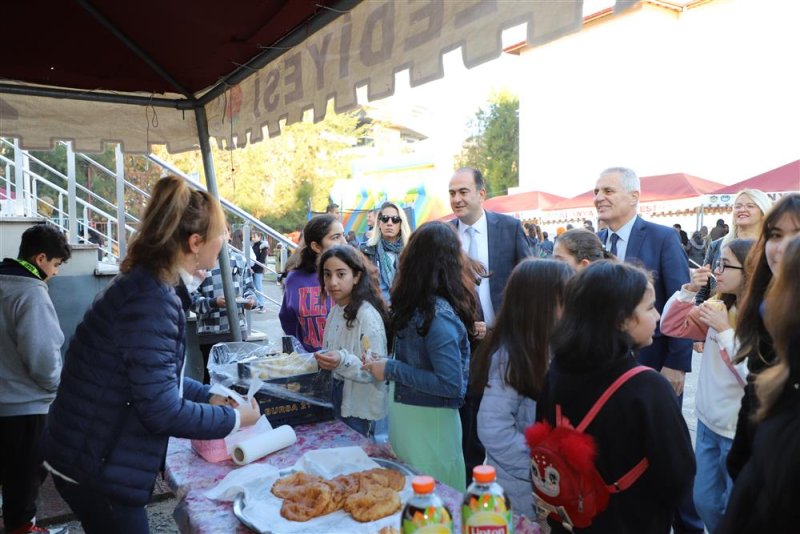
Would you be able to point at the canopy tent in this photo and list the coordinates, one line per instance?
(520, 203)
(783, 179)
(660, 193)
(654, 188)
(246, 65)
(177, 73)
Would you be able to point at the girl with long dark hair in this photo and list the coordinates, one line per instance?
(433, 306)
(766, 493)
(355, 329)
(609, 314)
(510, 368)
(303, 310)
(781, 223)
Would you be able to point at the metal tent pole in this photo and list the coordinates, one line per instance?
(224, 259)
(72, 205)
(122, 243)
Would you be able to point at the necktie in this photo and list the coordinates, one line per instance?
(614, 239)
(472, 250)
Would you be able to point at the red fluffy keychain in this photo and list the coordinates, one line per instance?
(566, 484)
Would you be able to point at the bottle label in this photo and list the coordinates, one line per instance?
(431, 520)
(486, 514)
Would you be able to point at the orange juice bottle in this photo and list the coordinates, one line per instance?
(486, 509)
(425, 512)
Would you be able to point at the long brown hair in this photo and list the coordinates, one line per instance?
(174, 213)
(524, 324)
(433, 265)
(783, 323)
(753, 338)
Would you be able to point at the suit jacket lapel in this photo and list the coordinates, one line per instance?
(636, 239)
(492, 237)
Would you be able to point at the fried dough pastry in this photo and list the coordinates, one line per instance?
(386, 478)
(341, 487)
(283, 487)
(375, 504)
(307, 502)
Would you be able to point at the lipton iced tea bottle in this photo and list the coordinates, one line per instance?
(486, 509)
(425, 512)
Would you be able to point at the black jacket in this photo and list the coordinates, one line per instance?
(642, 419)
(766, 496)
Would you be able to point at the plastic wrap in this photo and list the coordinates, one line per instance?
(292, 376)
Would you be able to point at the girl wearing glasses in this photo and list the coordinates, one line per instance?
(720, 385)
(384, 247)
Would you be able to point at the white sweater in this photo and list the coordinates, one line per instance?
(363, 396)
(720, 385)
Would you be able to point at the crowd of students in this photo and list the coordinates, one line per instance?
(565, 329)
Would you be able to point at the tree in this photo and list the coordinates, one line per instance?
(494, 147)
(275, 179)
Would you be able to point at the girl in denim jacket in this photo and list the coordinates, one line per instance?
(433, 301)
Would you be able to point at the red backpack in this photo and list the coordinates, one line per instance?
(566, 484)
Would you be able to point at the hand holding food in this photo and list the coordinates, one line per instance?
(248, 414)
(328, 360)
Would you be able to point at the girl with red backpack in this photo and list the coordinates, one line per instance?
(635, 453)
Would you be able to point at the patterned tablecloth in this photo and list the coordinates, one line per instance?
(189, 476)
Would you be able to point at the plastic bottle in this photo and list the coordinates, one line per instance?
(425, 512)
(486, 509)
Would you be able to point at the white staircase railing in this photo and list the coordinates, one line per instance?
(29, 187)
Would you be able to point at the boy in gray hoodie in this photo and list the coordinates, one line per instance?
(30, 368)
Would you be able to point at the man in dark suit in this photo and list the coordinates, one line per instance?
(657, 248)
(498, 242)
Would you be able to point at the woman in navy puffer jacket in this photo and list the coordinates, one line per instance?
(121, 395)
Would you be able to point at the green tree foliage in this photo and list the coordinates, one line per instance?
(494, 146)
(275, 179)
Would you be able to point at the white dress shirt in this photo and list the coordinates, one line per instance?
(624, 234)
(482, 235)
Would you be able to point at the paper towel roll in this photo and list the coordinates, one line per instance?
(263, 444)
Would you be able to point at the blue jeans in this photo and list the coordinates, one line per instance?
(362, 426)
(712, 484)
(258, 283)
(98, 514)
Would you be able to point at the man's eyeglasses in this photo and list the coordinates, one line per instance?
(721, 266)
(385, 219)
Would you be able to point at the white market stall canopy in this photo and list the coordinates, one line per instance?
(135, 73)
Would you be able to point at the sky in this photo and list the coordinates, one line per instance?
(732, 113)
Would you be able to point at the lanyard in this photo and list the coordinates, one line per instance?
(32, 268)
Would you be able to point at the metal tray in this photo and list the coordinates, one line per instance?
(239, 504)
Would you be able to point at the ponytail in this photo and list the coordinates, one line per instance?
(174, 213)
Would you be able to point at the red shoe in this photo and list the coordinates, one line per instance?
(28, 527)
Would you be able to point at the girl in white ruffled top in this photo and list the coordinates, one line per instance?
(720, 385)
(355, 331)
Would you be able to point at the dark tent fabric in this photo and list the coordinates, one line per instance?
(784, 178)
